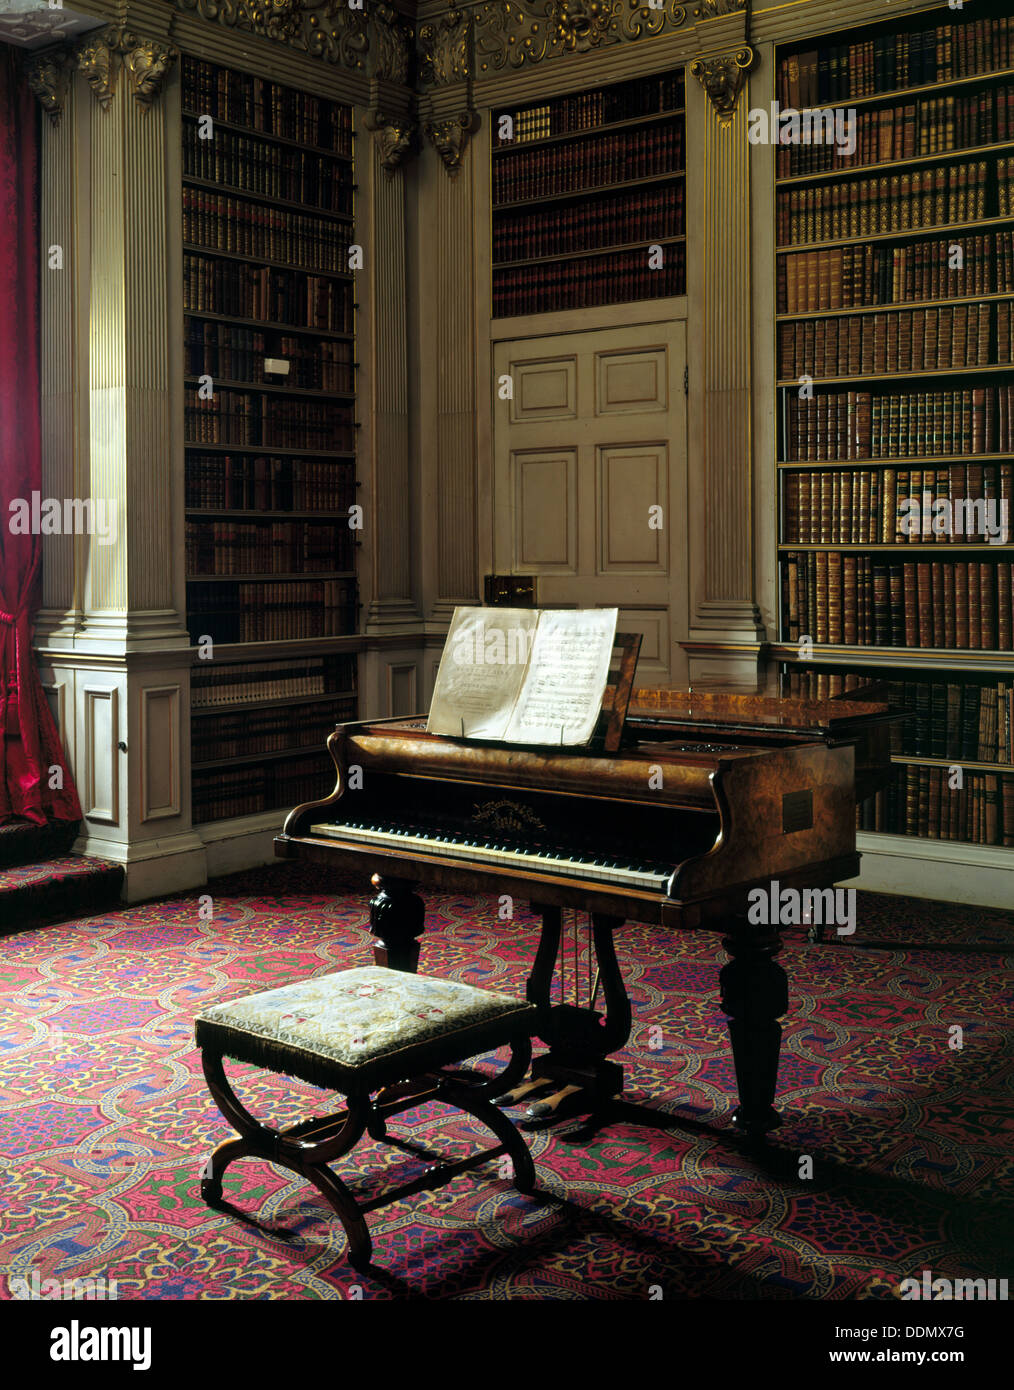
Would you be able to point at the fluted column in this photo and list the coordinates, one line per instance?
(128, 588)
(390, 522)
(725, 624)
(63, 338)
(457, 569)
(113, 647)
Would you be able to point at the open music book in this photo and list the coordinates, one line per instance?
(523, 675)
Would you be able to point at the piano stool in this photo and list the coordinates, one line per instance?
(360, 1032)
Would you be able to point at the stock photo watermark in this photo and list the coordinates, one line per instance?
(69, 516)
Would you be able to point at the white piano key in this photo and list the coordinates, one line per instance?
(482, 854)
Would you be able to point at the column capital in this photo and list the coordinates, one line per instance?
(722, 78)
(101, 56)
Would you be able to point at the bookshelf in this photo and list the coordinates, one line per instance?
(894, 273)
(269, 378)
(582, 186)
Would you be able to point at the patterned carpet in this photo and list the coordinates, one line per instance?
(62, 886)
(104, 1119)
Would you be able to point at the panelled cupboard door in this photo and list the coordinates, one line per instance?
(590, 479)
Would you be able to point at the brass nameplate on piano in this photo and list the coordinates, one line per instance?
(797, 811)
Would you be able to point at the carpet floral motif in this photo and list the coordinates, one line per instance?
(105, 1121)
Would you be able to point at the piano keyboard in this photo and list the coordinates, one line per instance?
(479, 851)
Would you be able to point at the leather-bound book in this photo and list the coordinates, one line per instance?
(970, 722)
(792, 607)
(922, 812)
(938, 720)
(896, 589)
(952, 733)
(845, 518)
(937, 600)
(919, 727)
(849, 606)
(923, 590)
(889, 506)
(950, 607)
(834, 596)
(987, 605)
(1004, 606)
(821, 581)
(1007, 810)
(911, 802)
(911, 592)
(934, 782)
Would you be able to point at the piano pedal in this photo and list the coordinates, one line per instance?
(524, 1088)
(556, 1106)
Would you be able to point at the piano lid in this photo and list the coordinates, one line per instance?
(713, 709)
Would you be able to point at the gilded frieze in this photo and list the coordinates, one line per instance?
(445, 49)
(508, 35)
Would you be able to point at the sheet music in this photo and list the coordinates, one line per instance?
(567, 676)
(482, 670)
(523, 675)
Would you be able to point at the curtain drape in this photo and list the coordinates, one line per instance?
(29, 742)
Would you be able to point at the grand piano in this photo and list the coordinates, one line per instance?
(708, 797)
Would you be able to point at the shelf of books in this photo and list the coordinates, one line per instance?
(895, 364)
(269, 382)
(588, 198)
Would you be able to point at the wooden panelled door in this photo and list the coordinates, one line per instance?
(592, 444)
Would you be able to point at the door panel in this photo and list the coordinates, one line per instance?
(592, 444)
(631, 480)
(545, 512)
(545, 390)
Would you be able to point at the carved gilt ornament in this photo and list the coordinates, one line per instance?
(451, 136)
(390, 45)
(715, 9)
(95, 58)
(444, 49)
(146, 63)
(395, 138)
(508, 35)
(722, 79)
(100, 57)
(48, 76)
(327, 29)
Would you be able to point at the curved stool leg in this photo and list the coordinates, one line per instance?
(345, 1207)
(487, 1113)
(211, 1174)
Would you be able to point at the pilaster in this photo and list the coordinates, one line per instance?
(389, 522)
(725, 624)
(113, 647)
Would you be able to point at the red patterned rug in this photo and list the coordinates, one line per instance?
(895, 1155)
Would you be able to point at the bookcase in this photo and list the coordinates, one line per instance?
(269, 385)
(894, 270)
(582, 187)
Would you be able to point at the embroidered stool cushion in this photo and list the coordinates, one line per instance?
(358, 1030)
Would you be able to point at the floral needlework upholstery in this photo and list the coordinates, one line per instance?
(359, 1029)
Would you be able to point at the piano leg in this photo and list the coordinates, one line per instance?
(754, 995)
(397, 918)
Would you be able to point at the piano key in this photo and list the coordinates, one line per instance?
(557, 861)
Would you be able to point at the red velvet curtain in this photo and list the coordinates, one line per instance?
(29, 743)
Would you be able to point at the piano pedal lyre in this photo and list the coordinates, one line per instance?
(528, 1087)
(559, 1088)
